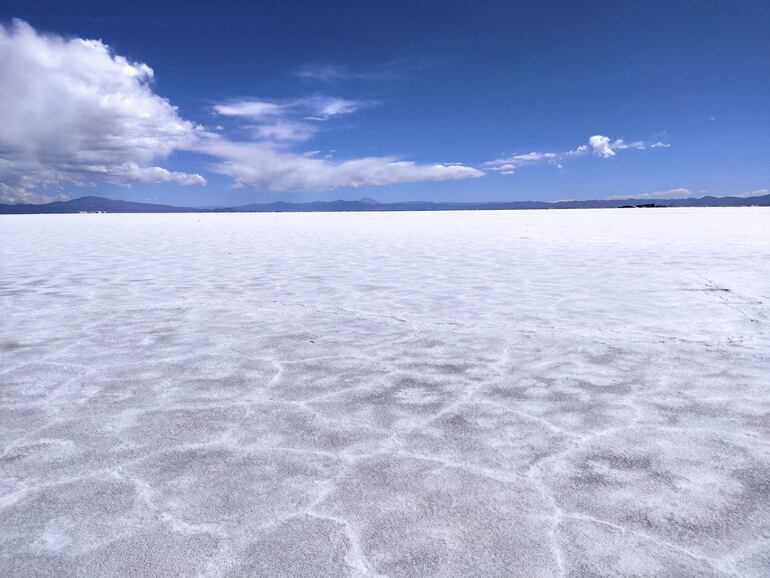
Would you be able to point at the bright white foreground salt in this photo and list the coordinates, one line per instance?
(529, 393)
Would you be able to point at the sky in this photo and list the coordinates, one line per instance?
(226, 103)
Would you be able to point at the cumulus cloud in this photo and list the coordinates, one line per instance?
(20, 195)
(73, 112)
(133, 172)
(601, 146)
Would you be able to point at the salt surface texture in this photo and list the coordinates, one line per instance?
(531, 393)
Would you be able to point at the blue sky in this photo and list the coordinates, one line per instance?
(395, 101)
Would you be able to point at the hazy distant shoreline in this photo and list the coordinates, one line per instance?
(104, 205)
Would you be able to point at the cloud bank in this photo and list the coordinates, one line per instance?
(266, 164)
(262, 166)
(684, 193)
(74, 113)
(755, 193)
(667, 194)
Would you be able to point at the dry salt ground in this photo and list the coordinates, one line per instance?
(525, 393)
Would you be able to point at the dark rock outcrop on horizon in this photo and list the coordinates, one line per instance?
(101, 204)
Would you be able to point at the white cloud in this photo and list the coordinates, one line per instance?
(327, 73)
(311, 108)
(290, 120)
(324, 107)
(72, 112)
(267, 164)
(577, 152)
(603, 147)
(264, 167)
(620, 144)
(252, 108)
(133, 172)
(508, 166)
(20, 195)
(600, 145)
(285, 131)
(667, 194)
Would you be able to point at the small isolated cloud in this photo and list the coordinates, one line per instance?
(72, 112)
(290, 120)
(601, 146)
(324, 107)
(509, 165)
(134, 173)
(330, 73)
(311, 107)
(326, 73)
(667, 194)
(604, 148)
(250, 108)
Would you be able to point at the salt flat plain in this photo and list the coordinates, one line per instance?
(526, 393)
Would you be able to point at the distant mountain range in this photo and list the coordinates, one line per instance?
(94, 205)
(103, 205)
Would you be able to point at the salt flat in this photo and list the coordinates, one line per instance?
(528, 393)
